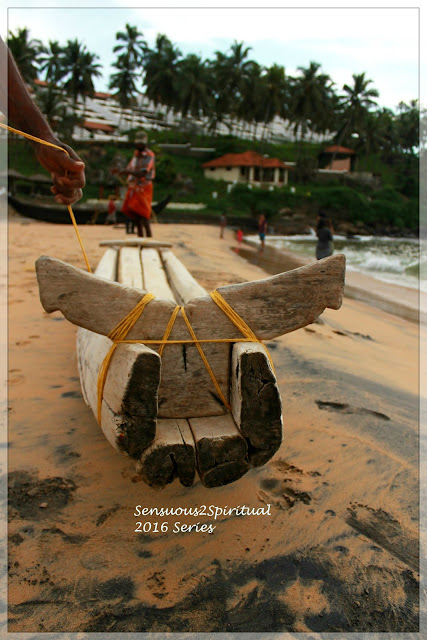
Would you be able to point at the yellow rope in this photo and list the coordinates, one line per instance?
(117, 335)
(169, 329)
(238, 321)
(202, 355)
(70, 211)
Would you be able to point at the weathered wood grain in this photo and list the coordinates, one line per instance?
(271, 307)
(184, 286)
(222, 452)
(255, 397)
(155, 275)
(171, 455)
(129, 269)
(135, 242)
(255, 401)
(129, 408)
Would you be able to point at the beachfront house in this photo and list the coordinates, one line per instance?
(249, 167)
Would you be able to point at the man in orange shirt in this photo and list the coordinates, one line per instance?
(139, 196)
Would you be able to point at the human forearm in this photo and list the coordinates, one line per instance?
(66, 169)
(22, 112)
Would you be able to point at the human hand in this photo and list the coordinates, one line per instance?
(67, 171)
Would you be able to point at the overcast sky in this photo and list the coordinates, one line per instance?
(382, 42)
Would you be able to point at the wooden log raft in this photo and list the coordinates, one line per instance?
(271, 307)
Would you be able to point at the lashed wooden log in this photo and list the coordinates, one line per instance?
(129, 269)
(154, 274)
(171, 455)
(222, 453)
(129, 406)
(221, 458)
(184, 286)
(271, 307)
(255, 401)
(255, 397)
(135, 242)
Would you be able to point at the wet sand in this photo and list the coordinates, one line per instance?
(339, 550)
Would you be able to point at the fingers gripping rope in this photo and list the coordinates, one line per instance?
(70, 211)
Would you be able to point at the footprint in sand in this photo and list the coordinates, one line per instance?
(287, 484)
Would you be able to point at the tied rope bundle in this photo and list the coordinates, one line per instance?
(119, 333)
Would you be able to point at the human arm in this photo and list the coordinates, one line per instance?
(67, 171)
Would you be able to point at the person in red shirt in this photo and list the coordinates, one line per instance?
(111, 211)
(139, 196)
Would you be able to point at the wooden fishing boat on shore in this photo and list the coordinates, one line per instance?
(48, 210)
(190, 386)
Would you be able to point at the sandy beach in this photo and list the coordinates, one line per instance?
(337, 550)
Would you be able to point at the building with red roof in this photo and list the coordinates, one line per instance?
(98, 126)
(337, 158)
(250, 167)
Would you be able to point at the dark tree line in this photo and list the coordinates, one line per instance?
(230, 88)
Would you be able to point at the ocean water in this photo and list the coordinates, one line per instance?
(401, 261)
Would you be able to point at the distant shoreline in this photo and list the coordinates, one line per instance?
(399, 300)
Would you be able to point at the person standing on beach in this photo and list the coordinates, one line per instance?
(66, 169)
(139, 195)
(262, 229)
(222, 225)
(324, 246)
(111, 217)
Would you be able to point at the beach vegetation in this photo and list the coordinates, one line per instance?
(235, 91)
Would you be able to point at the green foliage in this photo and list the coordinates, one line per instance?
(389, 194)
(165, 169)
(346, 201)
(256, 200)
(305, 168)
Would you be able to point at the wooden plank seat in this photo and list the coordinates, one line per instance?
(165, 412)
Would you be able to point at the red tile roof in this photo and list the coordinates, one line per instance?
(337, 149)
(246, 159)
(101, 94)
(98, 126)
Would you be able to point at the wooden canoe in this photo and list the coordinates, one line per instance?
(165, 412)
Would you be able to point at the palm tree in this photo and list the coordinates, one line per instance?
(230, 72)
(50, 103)
(125, 82)
(275, 97)
(80, 68)
(26, 53)
(51, 62)
(160, 71)
(253, 96)
(311, 99)
(355, 107)
(131, 45)
(192, 86)
(132, 48)
(408, 126)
